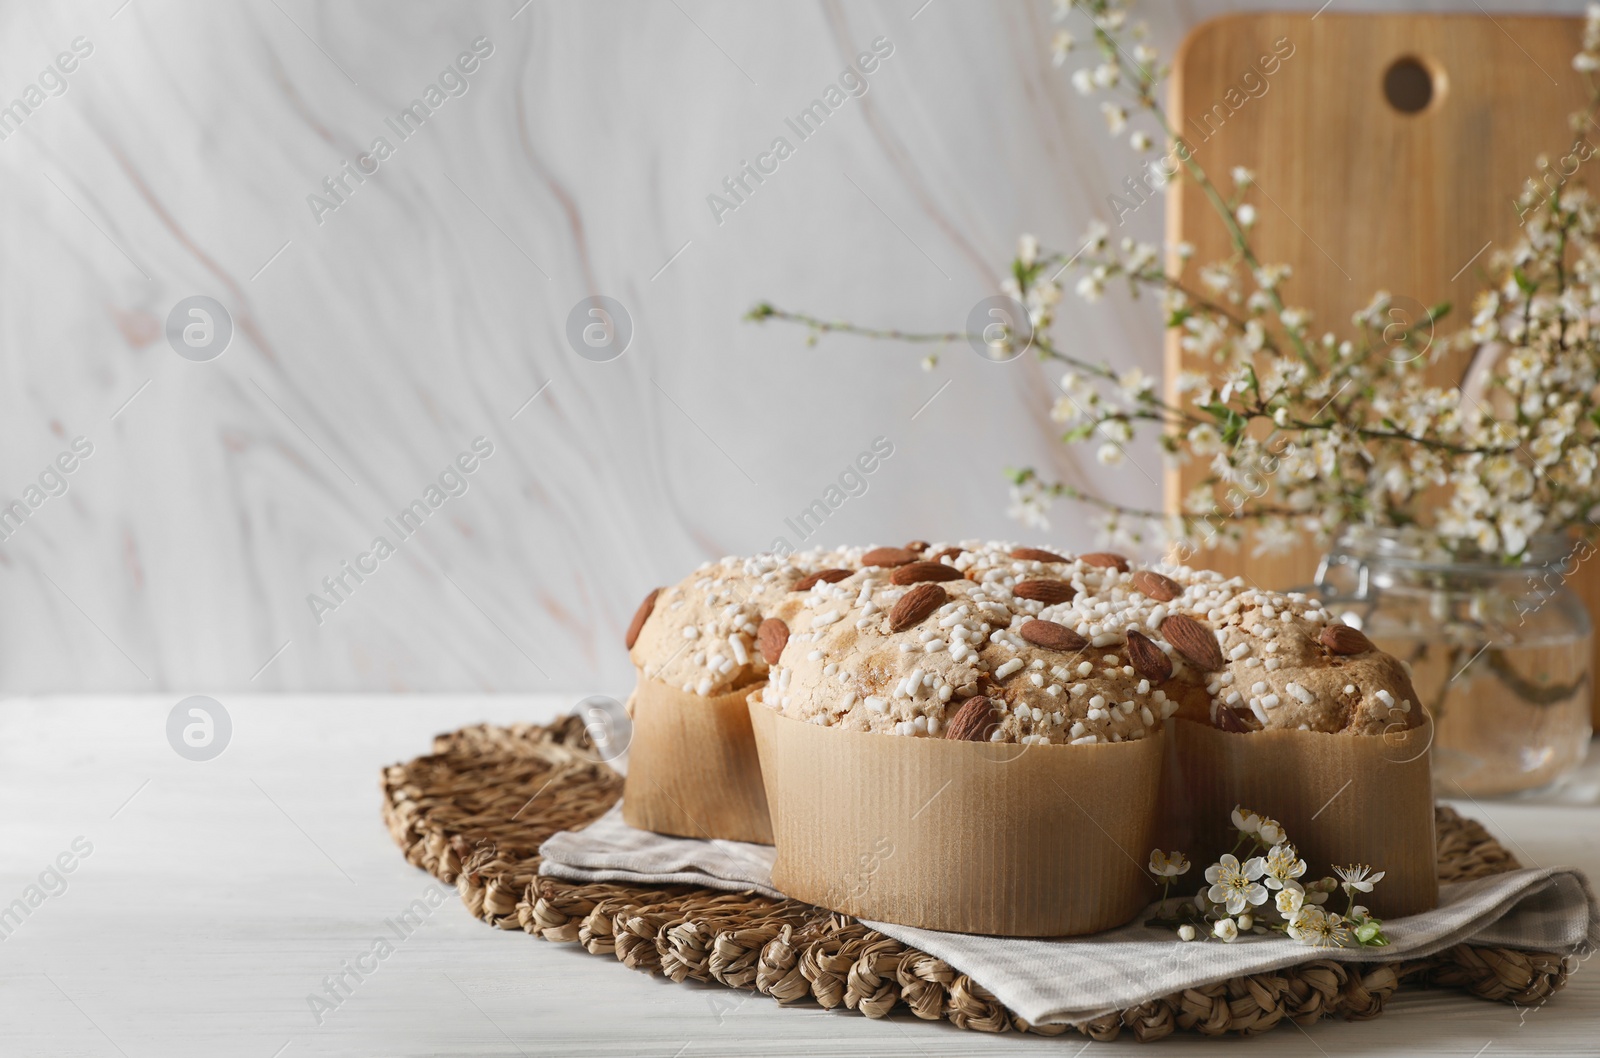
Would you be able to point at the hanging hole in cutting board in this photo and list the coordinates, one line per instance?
(1410, 85)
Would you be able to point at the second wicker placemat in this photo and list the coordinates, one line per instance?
(474, 812)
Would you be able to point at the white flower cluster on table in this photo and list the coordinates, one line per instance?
(1303, 428)
(1235, 899)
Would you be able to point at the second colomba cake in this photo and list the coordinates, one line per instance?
(988, 641)
(701, 646)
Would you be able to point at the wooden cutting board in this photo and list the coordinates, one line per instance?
(1358, 189)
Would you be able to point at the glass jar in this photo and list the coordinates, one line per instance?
(1500, 654)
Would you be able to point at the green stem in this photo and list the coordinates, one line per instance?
(764, 311)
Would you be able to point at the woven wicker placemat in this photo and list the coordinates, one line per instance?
(474, 812)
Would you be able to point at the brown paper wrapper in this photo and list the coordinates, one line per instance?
(692, 766)
(970, 837)
(1342, 799)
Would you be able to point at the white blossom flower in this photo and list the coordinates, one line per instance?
(1117, 429)
(1245, 821)
(1317, 929)
(1028, 505)
(1141, 256)
(1134, 381)
(1226, 930)
(1283, 867)
(1186, 932)
(1234, 885)
(1275, 536)
(1357, 878)
(1111, 19)
(1168, 865)
(1295, 319)
(1270, 276)
(1060, 43)
(1288, 901)
(1242, 177)
(1218, 278)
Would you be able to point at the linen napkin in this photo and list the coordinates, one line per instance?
(1549, 909)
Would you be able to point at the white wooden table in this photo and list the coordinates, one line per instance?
(218, 895)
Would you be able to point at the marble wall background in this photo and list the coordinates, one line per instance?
(373, 343)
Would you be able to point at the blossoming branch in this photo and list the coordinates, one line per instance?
(1304, 429)
(1233, 902)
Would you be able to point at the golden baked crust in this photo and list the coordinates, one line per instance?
(869, 654)
(1311, 687)
(701, 634)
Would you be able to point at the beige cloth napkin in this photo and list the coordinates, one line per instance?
(1548, 909)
